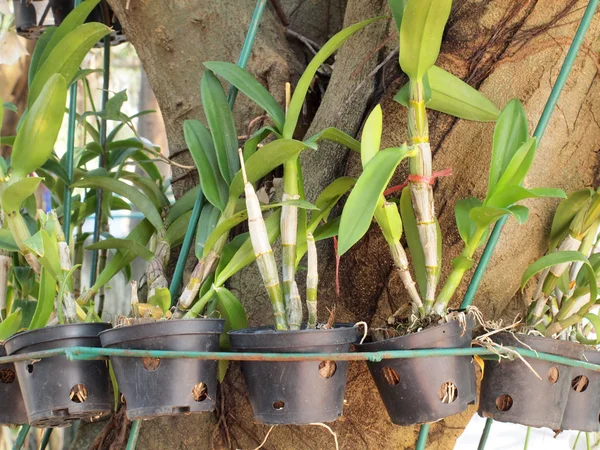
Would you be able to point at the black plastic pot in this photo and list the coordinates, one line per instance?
(297, 392)
(58, 391)
(583, 405)
(166, 387)
(421, 390)
(511, 392)
(32, 17)
(13, 408)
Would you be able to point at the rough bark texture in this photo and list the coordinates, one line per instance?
(507, 49)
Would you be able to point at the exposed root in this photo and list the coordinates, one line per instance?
(337, 446)
(265, 439)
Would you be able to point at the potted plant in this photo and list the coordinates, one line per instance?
(215, 152)
(298, 392)
(32, 18)
(81, 390)
(424, 390)
(560, 319)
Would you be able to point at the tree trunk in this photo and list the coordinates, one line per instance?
(505, 48)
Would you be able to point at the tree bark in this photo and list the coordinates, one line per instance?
(505, 48)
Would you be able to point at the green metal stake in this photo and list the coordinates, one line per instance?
(422, 441)
(185, 247)
(46, 438)
(23, 432)
(101, 162)
(247, 47)
(134, 434)
(485, 434)
(72, 120)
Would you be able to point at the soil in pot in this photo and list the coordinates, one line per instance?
(166, 387)
(512, 392)
(421, 390)
(57, 391)
(13, 407)
(583, 405)
(296, 392)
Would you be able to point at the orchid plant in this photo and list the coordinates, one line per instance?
(421, 26)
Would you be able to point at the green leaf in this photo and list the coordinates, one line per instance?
(209, 217)
(114, 105)
(140, 201)
(388, 219)
(484, 216)
(371, 135)
(17, 192)
(148, 187)
(360, 206)
(334, 135)
(518, 166)
(451, 95)
(595, 321)
(249, 86)
(327, 230)
(412, 239)
(39, 130)
(264, 161)
(229, 250)
(45, 302)
(176, 232)
(66, 57)
(513, 194)
(200, 144)
(141, 234)
(74, 19)
(521, 213)
(162, 299)
(38, 50)
(230, 309)
(466, 226)
(245, 255)
(509, 134)
(45, 246)
(555, 258)
(221, 124)
(183, 205)
(226, 225)
(7, 242)
(565, 213)
(397, 7)
(295, 107)
(462, 263)
(251, 145)
(10, 325)
(421, 33)
(134, 248)
(328, 198)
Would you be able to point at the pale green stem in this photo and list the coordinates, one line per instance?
(421, 192)
(401, 263)
(458, 272)
(312, 280)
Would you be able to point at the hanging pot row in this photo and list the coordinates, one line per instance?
(56, 391)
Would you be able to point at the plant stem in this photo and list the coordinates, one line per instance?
(312, 280)
(204, 268)
(458, 272)
(421, 192)
(527, 438)
(263, 252)
(401, 263)
(156, 271)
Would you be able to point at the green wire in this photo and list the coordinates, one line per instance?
(422, 440)
(134, 434)
(72, 120)
(485, 434)
(46, 438)
(23, 432)
(247, 47)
